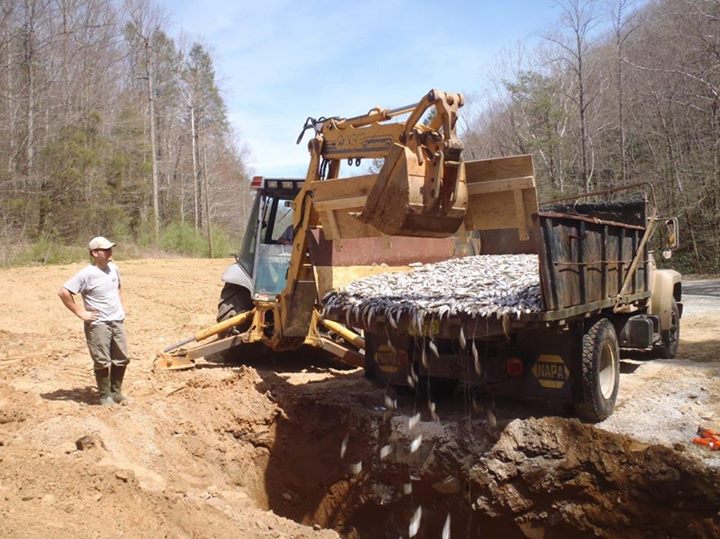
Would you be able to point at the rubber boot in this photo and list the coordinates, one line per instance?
(102, 377)
(117, 373)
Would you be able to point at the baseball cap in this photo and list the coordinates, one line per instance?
(99, 242)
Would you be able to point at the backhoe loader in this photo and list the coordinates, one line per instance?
(342, 227)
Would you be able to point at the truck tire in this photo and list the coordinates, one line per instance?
(234, 299)
(600, 372)
(670, 338)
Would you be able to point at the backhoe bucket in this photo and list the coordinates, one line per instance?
(174, 357)
(417, 195)
(172, 362)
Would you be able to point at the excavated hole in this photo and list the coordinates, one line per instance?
(327, 467)
(338, 458)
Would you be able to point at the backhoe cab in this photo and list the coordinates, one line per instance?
(264, 258)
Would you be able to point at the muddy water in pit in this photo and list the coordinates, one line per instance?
(341, 458)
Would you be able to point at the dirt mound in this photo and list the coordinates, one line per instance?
(69, 496)
(559, 474)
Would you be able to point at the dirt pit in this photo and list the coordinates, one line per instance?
(298, 447)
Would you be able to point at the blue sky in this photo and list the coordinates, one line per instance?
(280, 61)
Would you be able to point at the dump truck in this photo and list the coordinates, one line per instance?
(597, 289)
(547, 320)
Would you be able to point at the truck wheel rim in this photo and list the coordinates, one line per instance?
(606, 374)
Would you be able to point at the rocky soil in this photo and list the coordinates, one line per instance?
(297, 447)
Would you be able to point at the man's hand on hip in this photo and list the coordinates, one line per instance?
(88, 316)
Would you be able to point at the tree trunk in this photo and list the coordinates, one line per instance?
(583, 121)
(153, 142)
(621, 116)
(30, 109)
(196, 201)
(10, 112)
(207, 204)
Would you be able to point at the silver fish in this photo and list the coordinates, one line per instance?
(415, 522)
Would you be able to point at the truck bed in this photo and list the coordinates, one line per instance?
(585, 264)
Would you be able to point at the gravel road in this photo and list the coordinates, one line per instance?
(701, 297)
(702, 287)
(665, 401)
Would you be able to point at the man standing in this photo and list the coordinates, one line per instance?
(103, 314)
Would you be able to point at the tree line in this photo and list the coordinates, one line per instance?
(617, 93)
(109, 125)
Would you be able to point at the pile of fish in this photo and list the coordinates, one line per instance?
(482, 286)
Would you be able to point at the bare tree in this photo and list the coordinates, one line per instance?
(623, 27)
(580, 21)
(146, 22)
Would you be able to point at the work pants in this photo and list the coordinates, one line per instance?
(107, 344)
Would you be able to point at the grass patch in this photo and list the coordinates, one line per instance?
(41, 252)
(177, 239)
(182, 238)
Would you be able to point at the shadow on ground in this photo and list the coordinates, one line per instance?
(87, 395)
(700, 351)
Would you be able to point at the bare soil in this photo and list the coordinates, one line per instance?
(295, 446)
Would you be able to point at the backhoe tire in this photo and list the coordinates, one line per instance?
(600, 372)
(670, 338)
(234, 299)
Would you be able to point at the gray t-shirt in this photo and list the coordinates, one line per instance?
(100, 291)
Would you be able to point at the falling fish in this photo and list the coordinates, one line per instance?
(343, 445)
(407, 488)
(415, 522)
(450, 485)
(415, 444)
(431, 408)
(356, 468)
(414, 420)
(385, 451)
(476, 359)
(446, 528)
(491, 419)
